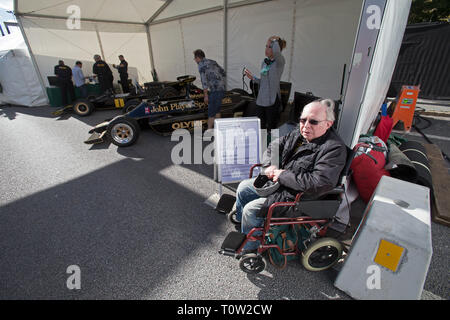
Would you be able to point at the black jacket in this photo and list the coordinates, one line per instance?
(64, 73)
(102, 70)
(123, 68)
(313, 168)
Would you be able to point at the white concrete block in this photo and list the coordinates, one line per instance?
(391, 251)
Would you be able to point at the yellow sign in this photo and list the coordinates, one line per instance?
(389, 255)
(189, 124)
(119, 103)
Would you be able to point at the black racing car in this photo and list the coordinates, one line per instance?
(183, 87)
(165, 116)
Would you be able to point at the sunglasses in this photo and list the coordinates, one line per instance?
(311, 121)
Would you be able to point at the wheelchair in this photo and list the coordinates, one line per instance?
(318, 251)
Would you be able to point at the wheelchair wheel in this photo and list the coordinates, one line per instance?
(252, 263)
(322, 254)
(231, 216)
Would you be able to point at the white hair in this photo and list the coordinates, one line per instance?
(329, 107)
(329, 104)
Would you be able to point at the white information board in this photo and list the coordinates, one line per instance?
(237, 148)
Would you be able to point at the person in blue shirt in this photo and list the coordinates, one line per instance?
(80, 79)
(213, 82)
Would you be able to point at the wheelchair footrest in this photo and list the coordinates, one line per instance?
(226, 203)
(232, 243)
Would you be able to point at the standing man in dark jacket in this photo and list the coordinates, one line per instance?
(64, 75)
(104, 74)
(123, 72)
(310, 161)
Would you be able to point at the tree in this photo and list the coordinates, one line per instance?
(429, 11)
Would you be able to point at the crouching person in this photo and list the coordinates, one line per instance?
(311, 161)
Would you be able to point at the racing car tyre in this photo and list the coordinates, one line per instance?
(123, 132)
(241, 92)
(250, 109)
(83, 107)
(130, 105)
(168, 92)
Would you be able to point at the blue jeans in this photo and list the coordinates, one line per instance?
(215, 102)
(248, 205)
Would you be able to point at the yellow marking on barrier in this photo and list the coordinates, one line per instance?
(389, 255)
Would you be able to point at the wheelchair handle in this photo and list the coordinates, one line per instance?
(253, 167)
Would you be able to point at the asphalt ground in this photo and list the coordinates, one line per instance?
(135, 224)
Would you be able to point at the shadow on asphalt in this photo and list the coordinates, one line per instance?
(12, 112)
(125, 225)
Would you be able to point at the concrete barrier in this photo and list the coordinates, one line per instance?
(391, 250)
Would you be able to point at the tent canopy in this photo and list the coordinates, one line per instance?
(161, 35)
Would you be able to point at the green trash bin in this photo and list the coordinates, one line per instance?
(54, 94)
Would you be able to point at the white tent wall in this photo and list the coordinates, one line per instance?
(249, 27)
(174, 58)
(315, 56)
(203, 32)
(168, 56)
(385, 57)
(131, 42)
(20, 86)
(325, 32)
(51, 41)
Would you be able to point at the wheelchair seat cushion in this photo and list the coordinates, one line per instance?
(316, 209)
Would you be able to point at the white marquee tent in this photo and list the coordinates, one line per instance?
(322, 36)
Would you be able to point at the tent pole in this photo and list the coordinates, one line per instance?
(150, 48)
(100, 43)
(33, 59)
(225, 37)
(291, 58)
(158, 12)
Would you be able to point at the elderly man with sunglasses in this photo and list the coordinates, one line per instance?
(310, 161)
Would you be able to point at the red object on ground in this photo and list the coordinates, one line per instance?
(367, 173)
(384, 128)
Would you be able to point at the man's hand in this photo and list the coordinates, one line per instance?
(276, 174)
(269, 171)
(206, 98)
